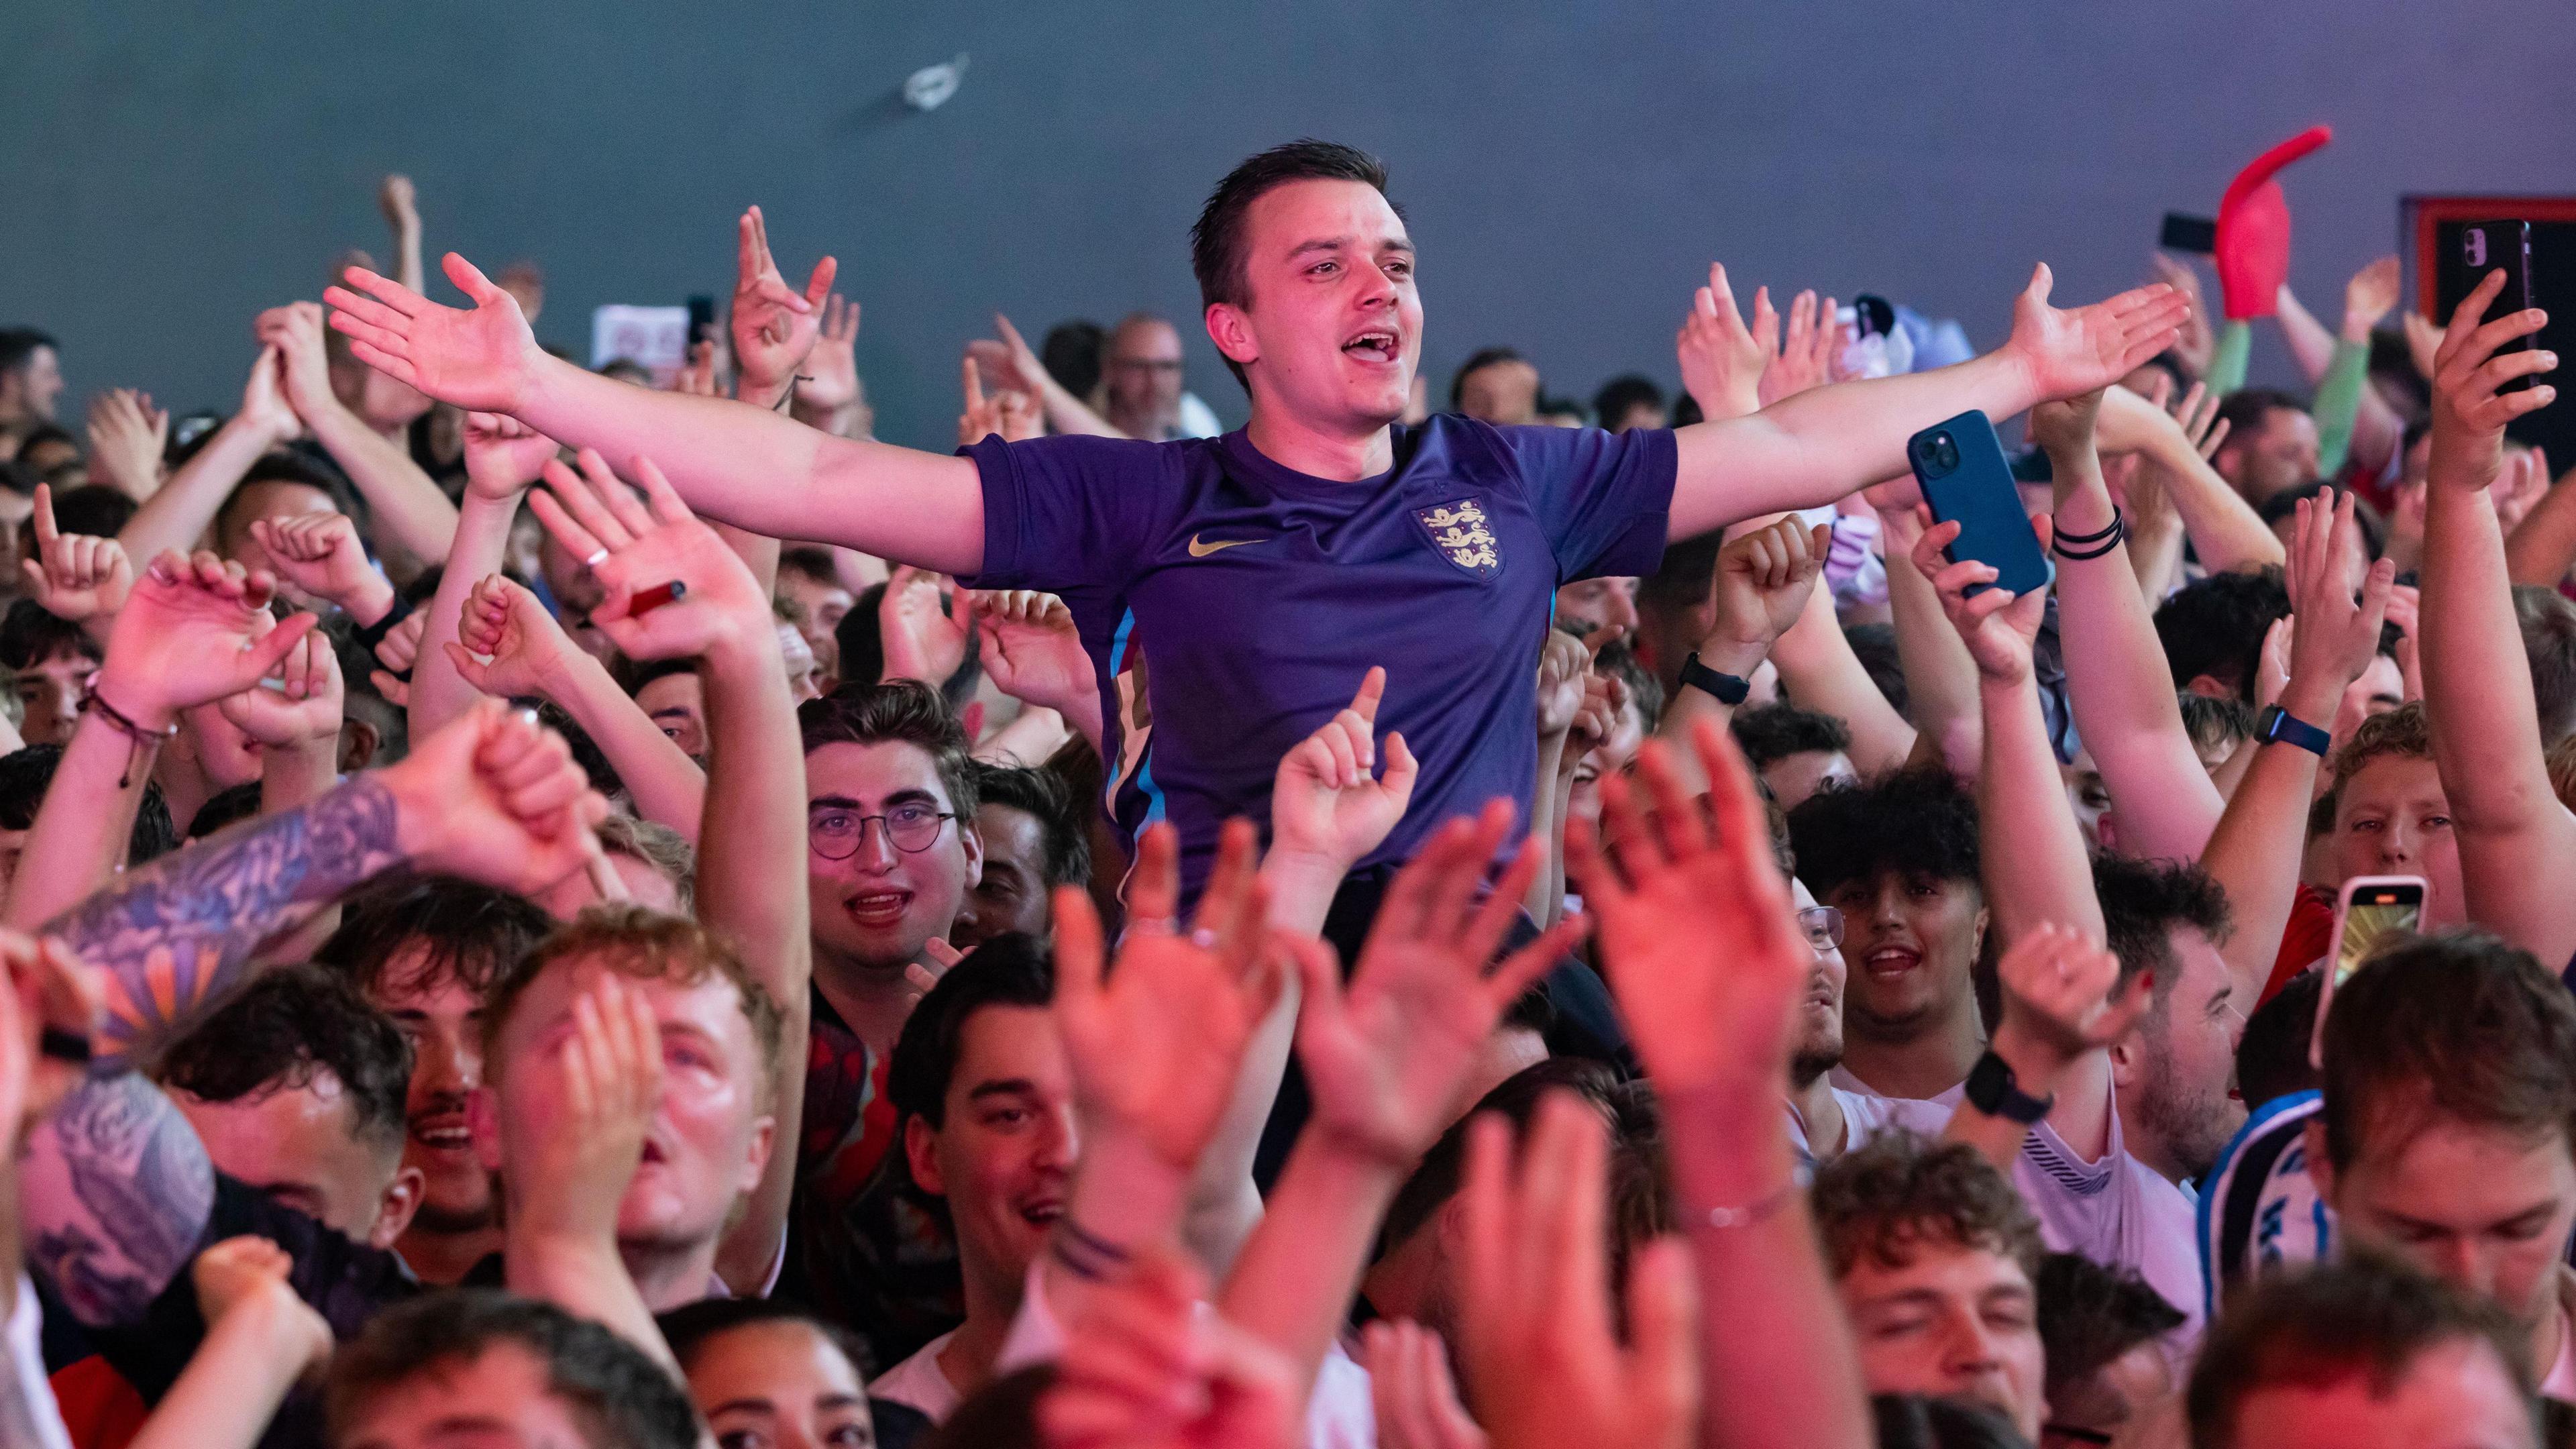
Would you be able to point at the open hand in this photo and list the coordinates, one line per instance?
(631, 547)
(923, 640)
(2067, 353)
(74, 576)
(479, 358)
(774, 327)
(1562, 663)
(2368, 297)
(1327, 802)
(566, 1181)
(2334, 639)
(127, 439)
(831, 378)
(1033, 650)
(2469, 413)
(1721, 358)
(1807, 352)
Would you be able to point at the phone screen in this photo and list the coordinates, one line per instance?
(2376, 913)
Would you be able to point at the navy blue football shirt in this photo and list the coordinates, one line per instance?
(1257, 597)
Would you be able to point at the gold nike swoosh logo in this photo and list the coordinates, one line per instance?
(1201, 549)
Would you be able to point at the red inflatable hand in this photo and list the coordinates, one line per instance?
(2254, 229)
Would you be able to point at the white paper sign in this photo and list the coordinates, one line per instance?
(657, 337)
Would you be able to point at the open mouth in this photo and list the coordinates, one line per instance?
(877, 908)
(1041, 1214)
(1380, 346)
(1891, 961)
(443, 1132)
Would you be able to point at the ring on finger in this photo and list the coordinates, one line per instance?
(596, 559)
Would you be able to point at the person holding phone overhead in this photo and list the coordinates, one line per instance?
(1432, 550)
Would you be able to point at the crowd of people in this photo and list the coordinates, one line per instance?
(551, 906)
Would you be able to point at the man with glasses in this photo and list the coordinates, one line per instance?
(1141, 368)
(892, 856)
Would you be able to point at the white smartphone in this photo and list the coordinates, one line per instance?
(2369, 911)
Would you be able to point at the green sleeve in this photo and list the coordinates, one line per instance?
(2227, 365)
(2338, 403)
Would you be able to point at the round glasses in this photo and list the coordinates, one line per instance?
(1824, 928)
(836, 833)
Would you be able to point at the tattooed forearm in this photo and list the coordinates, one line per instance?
(173, 935)
(115, 1191)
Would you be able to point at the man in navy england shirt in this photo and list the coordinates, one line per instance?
(1265, 571)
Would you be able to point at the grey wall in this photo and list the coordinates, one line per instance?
(1569, 167)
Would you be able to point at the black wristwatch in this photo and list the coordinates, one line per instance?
(1991, 1090)
(2278, 725)
(1724, 688)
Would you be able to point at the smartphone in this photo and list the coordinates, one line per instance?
(2370, 911)
(2482, 247)
(1961, 466)
(2195, 234)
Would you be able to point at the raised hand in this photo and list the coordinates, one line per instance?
(1012, 362)
(1145, 1368)
(505, 624)
(1698, 933)
(295, 330)
(633, 545)
(504, 457)
(193, 631)
(400, 202)
(303, 709)
(1760, 588)
(74, 576)
(2198, 344)
(2197, 415)
(1157, 1044)
(2423, 343)
(2469, 412)
(1386, 1056)
(566, 1172)
(1562, 663)
(774, 327)
(1033, 650)
(264, 405)
(1327, 803)
(319, 554)
(1807, 352)
(2062, 998)
(1722, 359)
(983, 415)
(2368, 297)
(697, 376)
(1544, 1362)
(2070, 352)
(397, 652)
(2064, 430)
(831, 380)
(2334, 639)
(1997, 626)
(1409, 1386)
(923, 639)
(479, 358)
(495, 797)
(250, 1275)
(127, 438)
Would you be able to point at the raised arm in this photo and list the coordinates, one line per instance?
(2116, 679)
(178, 515)
(745, 466)
(1762, 584)
(1700, 940)
(1016, 364)
(74, 576)
(1941, 678)
(2515, 839)
(751, 886)
(1819, 671)
(2542, 548)
(2352, 419)
(411, 516)
(260, 1339)
(293, 713)
(194, 631)
(1826, 442)
(2256, 850)
(1032, 650)
(2224, 529)
(2063, 1007)
(503, 459)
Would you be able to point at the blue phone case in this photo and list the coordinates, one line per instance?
(1961, 468)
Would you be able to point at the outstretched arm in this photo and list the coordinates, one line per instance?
(2515, 839)
(178, 515)
(748, 467)
(1819, 671)
(411, 516)
(1761, 588)
(2224, 529)
(1821, 444)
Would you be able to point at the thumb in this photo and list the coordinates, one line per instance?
(270, 649)
(2041, 279)
(468, 667)
(470, 280)
(820, 286)
(35, 577)
(1401, 767)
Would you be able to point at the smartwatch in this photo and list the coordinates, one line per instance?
(2278, 725)
(1991, 1090)
(1724, 688)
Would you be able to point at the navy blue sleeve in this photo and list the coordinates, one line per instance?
(1066, 512)
(1605, 499)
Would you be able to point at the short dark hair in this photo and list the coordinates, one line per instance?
(1640, 1203)
(1898, 1191)
(1645, 691)
(1477, 361)
(293, 465)
(1919, 1421)
(467, 932)
(285, 1028)
(25, 776)
(2143, 901)
(2248, 408)
(229, 806)
(2090, 1314)
(1008, 970)
(1072, 352)
(2285, 504)
(18, 346)
(692, 1326)
(619, 1397)
(2324, 1324)
(1768, 733)
(1042, 795)
(2215, 626)
(2211, 720)
(633, 674)
(94, 509)
(904, 710)
(860, 642)
(29, 636)
(2458, 1024)
(2272, 1054)
(2548, 620)
(1216, 240)
(810, 559)
(1917, 821)
(1622, 393)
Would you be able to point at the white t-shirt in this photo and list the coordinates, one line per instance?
(2116, 1211)
(919, 1383)
(1341, 1415)
(27, 1360)
(1864, 1116)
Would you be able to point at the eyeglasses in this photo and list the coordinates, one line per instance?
(836, 834)
(1824, 928)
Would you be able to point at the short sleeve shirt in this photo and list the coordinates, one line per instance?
(1257, 598)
